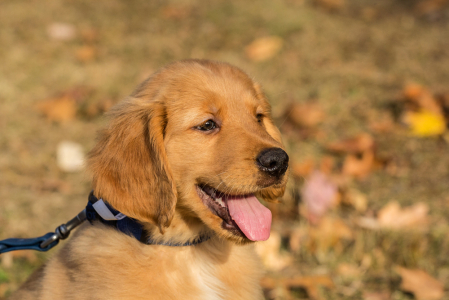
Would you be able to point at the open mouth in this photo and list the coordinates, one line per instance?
(242, 215)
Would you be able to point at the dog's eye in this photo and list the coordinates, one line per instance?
(259, 118)
(208, 125)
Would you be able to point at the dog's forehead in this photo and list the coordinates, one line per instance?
(213, 93)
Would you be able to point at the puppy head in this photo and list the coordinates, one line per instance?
(198, 137)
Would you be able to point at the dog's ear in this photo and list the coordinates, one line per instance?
(129, 163)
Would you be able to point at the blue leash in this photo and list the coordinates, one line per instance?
(45, 242)
(120, 222)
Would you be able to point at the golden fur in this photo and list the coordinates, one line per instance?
(147, 164)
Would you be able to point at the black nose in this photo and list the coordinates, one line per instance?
(273, 161)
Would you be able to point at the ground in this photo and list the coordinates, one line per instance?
(352, 59)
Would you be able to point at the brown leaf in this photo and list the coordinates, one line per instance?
(303, 169)
(296, 238)
(264, 48)
(327, 164)
(85, 53)
(7, 259)
(394, 217)
(348, 270)
(428, 7)
(53, 185)
(176, 12)
(328, 234)
(61, 109)
(421, 284)
(358, 144)
(309, 283)
(89, 35)
(269, 252)
(368, 223)
(358, 167)
(319, 195)
(369, 13)
(331, 4)
(97, 108)
(4, 287)
(356, 199)
(306, 115)
(64, 106)
(421, 99)
(382, 126)
(376, 295)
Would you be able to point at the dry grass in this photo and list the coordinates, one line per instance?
(353, 60)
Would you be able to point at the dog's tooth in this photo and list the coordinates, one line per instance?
(220, 201)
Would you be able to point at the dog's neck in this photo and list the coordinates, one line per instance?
(182, 232)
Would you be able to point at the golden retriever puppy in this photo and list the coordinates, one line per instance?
(185, 157)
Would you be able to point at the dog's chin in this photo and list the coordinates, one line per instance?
(219, 218)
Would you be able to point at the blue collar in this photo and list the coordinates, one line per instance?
(98, 209)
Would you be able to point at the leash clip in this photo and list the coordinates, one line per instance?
(62, 231)
(45, 242)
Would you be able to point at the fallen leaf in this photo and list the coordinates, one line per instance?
(358, 144)
(29, 255)
(61, 31)
(270, 253)
(85, 53)
(328, 234)
(78, 93)
(331, 4)
(306, 115)
(425, 123)
(264, 48)
(310, 283)
(428, 7)
(97, 108)
(356, 199)
(421, 284)
(64, 106)
(175, 12)
(53, 185)
(279, 292)
(358, 167)
(421, 98)
(89, 35)
(368, 223)
(303, 169)
(382, 126)
(376, 295)
(327, 164)
(6, 260)
(394, 217)
(60, 109)
(319, 194)
(3, 289)
(369, 13)
(70, 156)
(348, 270)
(413, 91)
(296, 238)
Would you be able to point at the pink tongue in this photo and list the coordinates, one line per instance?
(251, 216)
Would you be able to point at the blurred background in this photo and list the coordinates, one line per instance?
(360, 90)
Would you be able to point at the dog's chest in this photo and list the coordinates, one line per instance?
(211, 286)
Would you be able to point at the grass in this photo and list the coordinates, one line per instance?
(351, 64)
